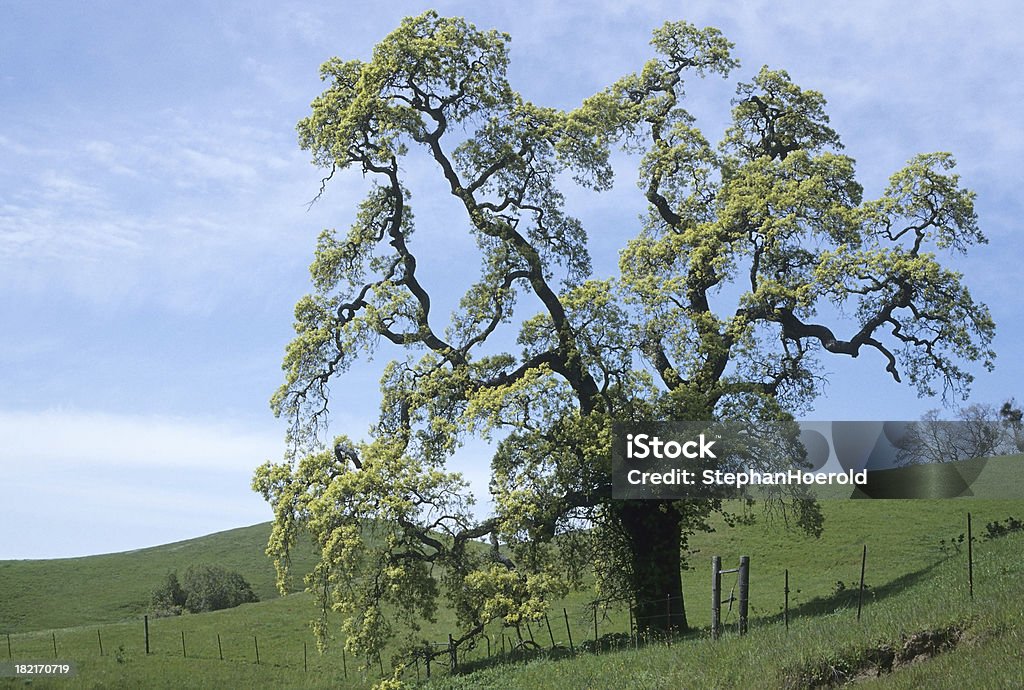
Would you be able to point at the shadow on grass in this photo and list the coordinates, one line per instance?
(845, 597)
(609, 642)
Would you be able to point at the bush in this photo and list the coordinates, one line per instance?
(205, 588)
(169, 598)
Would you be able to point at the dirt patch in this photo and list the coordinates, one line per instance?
(872, 662)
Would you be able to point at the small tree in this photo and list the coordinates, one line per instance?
(211, 588)
(975, 433)
(169, 597)
(1011, 417)
(205, 588)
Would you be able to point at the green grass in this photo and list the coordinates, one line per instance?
(987, 655)
(58, 593)
(914, 583)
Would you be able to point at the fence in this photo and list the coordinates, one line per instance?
(594, 627)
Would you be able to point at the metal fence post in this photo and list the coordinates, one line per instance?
(744, 587)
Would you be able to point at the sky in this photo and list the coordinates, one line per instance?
(155, 226)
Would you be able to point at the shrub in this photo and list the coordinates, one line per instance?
(205, 588)
(211, 588)
(169, 598)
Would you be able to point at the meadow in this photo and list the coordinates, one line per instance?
(919, 625)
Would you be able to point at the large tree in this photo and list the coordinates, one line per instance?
(757, 257)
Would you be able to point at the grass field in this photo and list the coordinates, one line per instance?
(916, 575)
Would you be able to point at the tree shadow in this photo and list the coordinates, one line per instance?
(845, 597)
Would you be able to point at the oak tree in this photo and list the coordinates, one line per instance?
(756, 259)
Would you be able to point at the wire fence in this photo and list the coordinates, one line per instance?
(595, 627)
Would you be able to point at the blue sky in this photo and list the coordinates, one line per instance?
(154, 230)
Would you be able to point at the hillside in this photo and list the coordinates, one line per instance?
(66, 592)
(915, 577)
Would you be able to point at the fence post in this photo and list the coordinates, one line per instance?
(860, 593)
(145, 620)
(9, 655)
(970, 558)
(568, 630)
(595, 626)
(550, 635)
(744, 587)
(785, 611)
(305, 660)
(99, 638)
(453, 658)
(54, 645)
(716, 596)
(668, 618)
(183, 654)
(220, 650)
(344, 664)
(256, 643)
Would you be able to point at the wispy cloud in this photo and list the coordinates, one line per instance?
(188, 216)
(133, 480)
(60, 438)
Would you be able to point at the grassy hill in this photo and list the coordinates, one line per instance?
(916, 577)
(65, 592)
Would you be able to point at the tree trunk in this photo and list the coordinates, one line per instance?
(653, 531)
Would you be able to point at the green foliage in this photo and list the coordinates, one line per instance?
(205, 588)
(211, 588)
(169, 598)
(772, 217)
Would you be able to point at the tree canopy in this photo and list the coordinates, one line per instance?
(757, 258)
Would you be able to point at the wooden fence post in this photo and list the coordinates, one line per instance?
(183, 654)
(99, 638)
(220, 650)
(970, 558)
(716, 596)
(54, 644)
(860, 593)
(256, 643)
(568, 630)
(145, 620)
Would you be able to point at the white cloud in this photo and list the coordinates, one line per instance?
(79, 482)
(59, 438)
